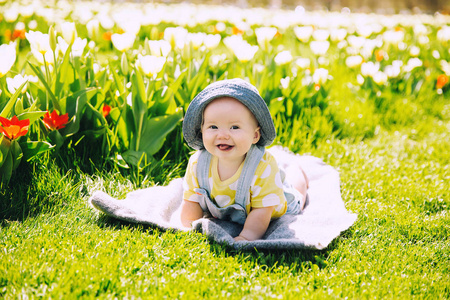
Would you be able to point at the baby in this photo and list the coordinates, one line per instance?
(232, 176)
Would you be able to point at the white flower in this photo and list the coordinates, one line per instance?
(77, 47)
(211, 41)
(196, 39)
(159, 48)
(369, 69)
(69, 32)
(176, 36)
(303, 33)
(414, 51)
(319, 47)
(284, 57)
(445, 66)
(8, 58)
(124, 41)
(303, 62)
(285, 82)
(393, 37)
(264, 35)
(11, 14)
(380, 78)
(150, 65)
(93, 27)
(443, 34)
(246, 53)
(338, 35)
(321, 35)
(412, 64)
(320, 76)
(353, 61)
(216, 60)
(40, 42)
(17, 81)
(356, 41)
(392, 71)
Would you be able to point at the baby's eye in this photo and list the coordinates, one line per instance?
(234, 127)
(213, 127)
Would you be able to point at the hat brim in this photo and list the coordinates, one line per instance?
(238, 89)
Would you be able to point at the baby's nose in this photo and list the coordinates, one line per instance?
(223, 134)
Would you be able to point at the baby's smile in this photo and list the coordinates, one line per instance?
(225, 147)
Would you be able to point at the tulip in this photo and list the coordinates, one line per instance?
(369, 69)
(285, 82)
(246, 53)
(412, 64)
(321, 35)
(39, 42)
(303, 33)
(196, 39)
(211, 41)
(284, 57)
(69, 32)
(77, 47)
(380, 78)
(17, 81)
(353, 61)
(14, 128)
(8, 58)
(443, 34)
(264, 35)
(54, 121)
(441, 81)
(150, 65)
(176, 36)
(159, 48)
(303, 63)
(93, 28)
(338, 35)
(124, 41)
(320, 76)
(319, 47)
(392, 71)
(106, 110)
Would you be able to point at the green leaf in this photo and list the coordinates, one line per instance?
(156, 130)
(117, 80)
(31, 148)
(41, 77)
(17, 154)
(33, 116)
(7, 168)
(12, 101)
(136, 158)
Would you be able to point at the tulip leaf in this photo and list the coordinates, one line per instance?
(12, 101)
(31, 115)
(117, 80)
(155, 131)
(41, 77)
(31, 148)
(7, 168)
(136, 158)
(17, 154)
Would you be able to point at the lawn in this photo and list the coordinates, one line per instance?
(371, 101)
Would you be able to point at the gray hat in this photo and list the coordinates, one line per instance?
(238, 89)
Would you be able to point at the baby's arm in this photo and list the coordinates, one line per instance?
(190, 211)
(256, 224)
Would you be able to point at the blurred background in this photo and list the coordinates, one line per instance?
(366, 6)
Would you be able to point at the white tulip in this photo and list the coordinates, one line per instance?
(40, 42)
(284, 57)
(77, 47)
(264, 35)
(353, 61)
(246, 53)
(369, 69)
(176, 36)
(380, 78)
(320, 76)
(303, 33)
(8, 58)
(338, 35)
(159, 48)
(93, 28)
(303, 63)
(321, 35)
(69, 32)
(17, 81)
(124, 41)
(285, 82)
(150, 65)
(211, 41)
(319, 47)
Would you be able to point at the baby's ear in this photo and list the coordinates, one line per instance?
(257, 135)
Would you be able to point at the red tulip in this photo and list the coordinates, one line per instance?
(55, 121)
(441, 81)
(106, 109)
(14, 128)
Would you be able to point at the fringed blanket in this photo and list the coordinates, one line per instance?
(322, 220)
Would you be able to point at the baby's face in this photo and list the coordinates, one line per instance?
(229, 129)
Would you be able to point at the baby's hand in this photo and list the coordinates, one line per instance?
(240, 238)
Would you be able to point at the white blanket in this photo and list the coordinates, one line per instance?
(322, 220)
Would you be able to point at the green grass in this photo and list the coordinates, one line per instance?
(53, 245)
